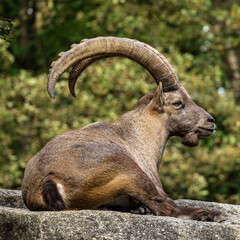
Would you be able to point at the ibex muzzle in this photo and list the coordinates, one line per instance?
(102, 162)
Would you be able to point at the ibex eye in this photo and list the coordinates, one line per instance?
(177, 104)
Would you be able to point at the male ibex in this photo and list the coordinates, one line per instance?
(93, 166)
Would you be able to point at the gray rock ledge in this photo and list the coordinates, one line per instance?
(16, 222)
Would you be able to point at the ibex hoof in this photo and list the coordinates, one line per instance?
(219, 218)
(208, 215)
(141, 210)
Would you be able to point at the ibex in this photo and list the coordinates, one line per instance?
(102, 162)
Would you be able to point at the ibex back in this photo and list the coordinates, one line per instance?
(93, 166)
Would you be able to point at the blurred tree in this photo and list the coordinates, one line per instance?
(224, 22)
(6, 29)
(200, 38)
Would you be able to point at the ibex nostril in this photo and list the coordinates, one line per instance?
(211, 119)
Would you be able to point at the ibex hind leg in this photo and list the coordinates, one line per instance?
(52, 196)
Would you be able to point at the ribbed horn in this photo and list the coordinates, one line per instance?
(78, 68)
(90, 50)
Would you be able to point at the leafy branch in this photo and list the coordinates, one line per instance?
(7, 30)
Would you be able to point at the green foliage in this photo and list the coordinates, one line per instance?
(194, 35)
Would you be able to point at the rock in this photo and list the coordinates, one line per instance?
(11, 198)
(19, 223)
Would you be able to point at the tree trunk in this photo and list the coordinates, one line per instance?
(232, 62)
(27, 13)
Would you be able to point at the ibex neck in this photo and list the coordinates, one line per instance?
(146, 135)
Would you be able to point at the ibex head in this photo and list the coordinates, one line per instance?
(92, 166)
(183, 117)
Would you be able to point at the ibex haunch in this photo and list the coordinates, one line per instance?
(93, 166)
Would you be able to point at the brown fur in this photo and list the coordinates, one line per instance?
(52, 197)
(95, 165)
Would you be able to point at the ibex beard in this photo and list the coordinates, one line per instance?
(103, 162)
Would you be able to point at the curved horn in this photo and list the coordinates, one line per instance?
(79, 67)
(88, 51)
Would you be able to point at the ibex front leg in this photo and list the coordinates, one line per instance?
(155, 199)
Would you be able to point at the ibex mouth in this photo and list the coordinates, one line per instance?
(206, 131)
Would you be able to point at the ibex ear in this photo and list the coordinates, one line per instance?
(158, 100)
